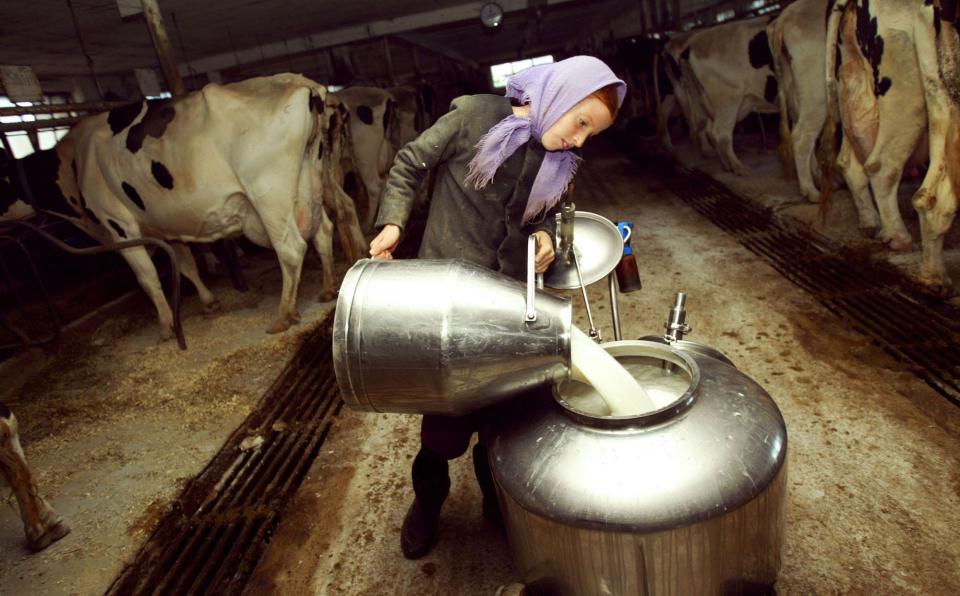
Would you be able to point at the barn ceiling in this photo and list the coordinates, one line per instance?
(222, 34)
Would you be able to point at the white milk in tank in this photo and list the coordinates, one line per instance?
(591, 364)
(662, 387)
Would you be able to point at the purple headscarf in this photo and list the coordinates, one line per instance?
(550, 90)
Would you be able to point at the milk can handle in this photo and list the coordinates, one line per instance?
(534, 279)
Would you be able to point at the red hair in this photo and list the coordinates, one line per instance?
(608, 95)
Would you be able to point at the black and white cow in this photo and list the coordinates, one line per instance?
(411, 113)
(42, 525)
(729, 68)
(892, 76)
(375, 133)
(245, 158)
(47, 179)
(797, 41)
(673, 90)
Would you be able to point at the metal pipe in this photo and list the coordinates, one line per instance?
(565, 230)
(614, 306)
(39, 124)
(594, 332)
(174, 265)
(83, 49)
(56, 108)
(675, 326)
(531, 314)
(161, 43)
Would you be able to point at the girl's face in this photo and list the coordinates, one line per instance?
(582, 121)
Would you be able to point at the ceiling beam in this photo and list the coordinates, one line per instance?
(416, 40)
(345, 35)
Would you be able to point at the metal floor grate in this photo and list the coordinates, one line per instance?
(217, 530)
(874, 298)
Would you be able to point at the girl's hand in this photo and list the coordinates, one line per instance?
(545, 253)
(385, 243)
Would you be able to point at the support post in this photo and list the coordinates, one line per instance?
(161, 43)
(416, 61)
(389, 59)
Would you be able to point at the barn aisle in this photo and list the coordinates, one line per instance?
(114, 422)
(874, 483)
(768, 186)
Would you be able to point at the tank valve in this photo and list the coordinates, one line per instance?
(564, 230)
(675, 325)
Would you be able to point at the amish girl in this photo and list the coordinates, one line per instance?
(502, 164)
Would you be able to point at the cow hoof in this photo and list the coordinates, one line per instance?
(327, 295)
(53, 533)
(942, 290)
(900, 244)
(212, 306)
(870, 231)
(294, 317)
(279, 326)
(166, 333)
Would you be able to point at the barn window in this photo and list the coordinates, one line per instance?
(18, 140)
(769, 8)
(725, 15)
(501, 72)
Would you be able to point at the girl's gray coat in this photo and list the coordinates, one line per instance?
(479, 226)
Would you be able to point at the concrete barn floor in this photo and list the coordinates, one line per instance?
(114, 423)
(874, 481)
(768, 186)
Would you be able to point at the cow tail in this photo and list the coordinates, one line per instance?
(781, 64)
(829, 137)
(315, 140)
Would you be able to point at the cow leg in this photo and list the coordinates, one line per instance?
(686, 110)
(885, 183)
(663, 122)
(371, 180)
(933, 228)
(188, 268)
(41, 523)
(146, 273)
(348, 225)
(290, 247)
(937, 206)
(323, 244)
(859, 185)
(786, 148)
(805, 135)
(720, 132)
(936, 200)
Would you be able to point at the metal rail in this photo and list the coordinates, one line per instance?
(220, 525)
(917, 329)
(174, 268)
(62, 108)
